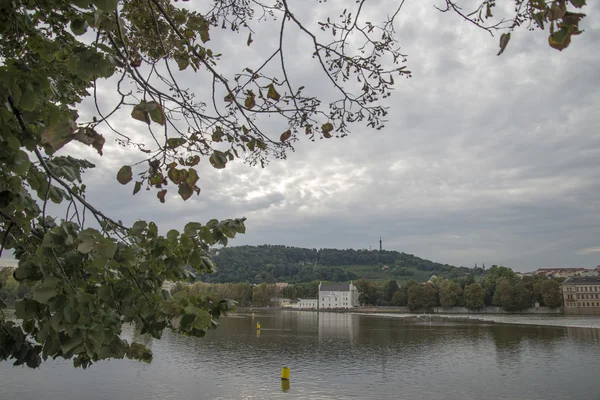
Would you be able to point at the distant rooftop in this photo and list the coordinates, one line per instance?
(582, 279)
(335, 287)
(560, 269)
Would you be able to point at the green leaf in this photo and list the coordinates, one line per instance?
(71, 316)
(326, 129)
(560, 39)
(504, 39)
(79, 26)
(250, 102)
(157, 114)
(204, 34)
(21, 163)
(192, 177)
(285, 135)
(172, 235)
(106, 5)
(272, 93)
(185, 191)
(578, 3)
(26, 309)
(125, 175)
(156, 179)
(28, 100)
(45, 291)
(137, 187)
(182, 61)
(218, 160)
(173, 143)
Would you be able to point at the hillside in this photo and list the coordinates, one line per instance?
(268, 263)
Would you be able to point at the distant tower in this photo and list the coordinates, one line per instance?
(380, 244)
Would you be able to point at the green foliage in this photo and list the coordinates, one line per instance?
(415, 294)
(367, 292)
(551, 293)
(449, 293)
(400, 298)
(474, 296)
(490, 282)
(430, 297)
(267, 263)
(389, 289)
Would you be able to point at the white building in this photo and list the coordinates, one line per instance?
(337, 295)
(307, 304)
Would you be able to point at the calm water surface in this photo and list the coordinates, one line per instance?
(337, 356)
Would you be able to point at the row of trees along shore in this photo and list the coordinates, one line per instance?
(501, 287)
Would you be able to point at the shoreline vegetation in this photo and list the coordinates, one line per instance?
(499, 287)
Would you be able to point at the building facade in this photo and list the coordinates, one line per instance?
(307, 304)
(581, 295)
(566, 272)
(337, 296)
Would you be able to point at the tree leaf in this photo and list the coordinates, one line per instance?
(91, 138)
(125, 175)
(156, 179)
(192, 177)
(140, 114)
(285, 135)
(218, 160)
(504, 38)
(272, 93)
(21, 163)
(45, 291)
(173, 143)
(250, 102)
(185, 191)
(560, 39)
(161, 195)
(137, 187)
(191, 161)
(157, 114)
(59, 134)
(106, 5)
(79, 26)
(327, 128)
(578, 3)
(249, 41)
(28, 100)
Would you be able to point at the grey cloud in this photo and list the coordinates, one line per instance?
(484, 159)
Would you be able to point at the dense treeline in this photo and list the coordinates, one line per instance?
(501, 287)
(10, 289)
(256, 264)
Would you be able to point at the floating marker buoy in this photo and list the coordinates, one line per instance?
(258, 326)
(285, 385)
(285, 373)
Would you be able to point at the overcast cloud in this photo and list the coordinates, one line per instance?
(484, 159)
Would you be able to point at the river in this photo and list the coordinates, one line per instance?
(337, 356)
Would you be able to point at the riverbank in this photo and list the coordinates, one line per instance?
(435, 310)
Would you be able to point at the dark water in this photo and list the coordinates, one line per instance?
(336, 356)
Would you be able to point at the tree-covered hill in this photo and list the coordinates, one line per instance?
(269, 263)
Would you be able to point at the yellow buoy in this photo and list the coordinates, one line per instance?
(258, 326)
(285, 385)
(285, 373)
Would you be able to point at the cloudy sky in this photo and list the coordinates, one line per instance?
(484, 159)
